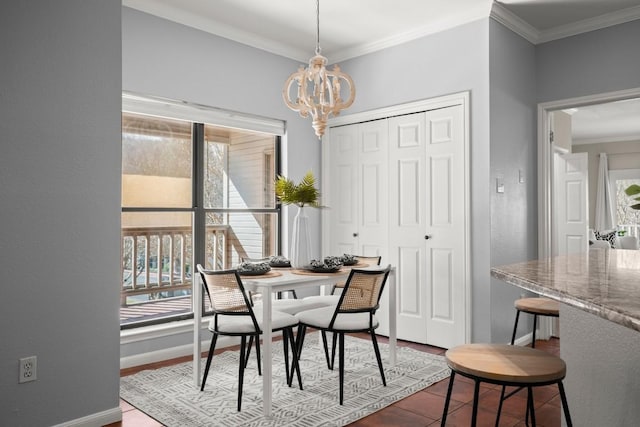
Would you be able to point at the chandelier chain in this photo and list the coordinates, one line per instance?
(318, 49)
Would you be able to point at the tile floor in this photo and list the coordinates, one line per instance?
(425, 407)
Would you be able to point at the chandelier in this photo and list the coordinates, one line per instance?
(319, 89)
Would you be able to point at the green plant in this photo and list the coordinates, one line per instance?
(301, 194)
(634, 190)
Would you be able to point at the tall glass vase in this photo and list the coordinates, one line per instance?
(300, 255)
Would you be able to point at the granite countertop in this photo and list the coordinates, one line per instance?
(605, 282)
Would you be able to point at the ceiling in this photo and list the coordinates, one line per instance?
(356, 27)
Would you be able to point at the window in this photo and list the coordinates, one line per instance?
(192, 192)
(628, 219)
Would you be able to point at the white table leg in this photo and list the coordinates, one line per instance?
(393, 333)
(197, 316)
(267, 335)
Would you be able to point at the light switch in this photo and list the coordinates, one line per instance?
(500, 184)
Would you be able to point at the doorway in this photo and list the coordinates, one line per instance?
(546, 152)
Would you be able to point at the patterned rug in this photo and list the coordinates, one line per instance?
(169, 395)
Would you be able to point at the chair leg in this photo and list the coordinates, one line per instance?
(243, 345)
(448, 399)
(515, 327)
(341, 362)
(293, 292)
(246, 359)
(333, 350)
(212, 347)
(333, 289)
(295, 366)
(565, 405)
(326, 349)
(530, 406)
(535, 325)
(285, 346)
(258, 357)
(474, 415)
(378, 358)
(500, 406)
(302, 330)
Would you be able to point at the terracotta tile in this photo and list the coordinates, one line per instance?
(462, 389)
(392, 416)
(427, 404)
(486, 418)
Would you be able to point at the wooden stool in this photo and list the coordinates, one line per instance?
(505, 365)
(537, 307)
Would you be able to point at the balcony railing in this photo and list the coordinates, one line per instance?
(157, 267)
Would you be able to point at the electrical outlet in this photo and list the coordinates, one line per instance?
(28, 369)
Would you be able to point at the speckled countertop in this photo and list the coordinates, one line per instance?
(605, 282)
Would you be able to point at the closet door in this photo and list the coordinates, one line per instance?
(373, 189)
(427, 234)
(445, 219)
(342, 206)
(358, 188)
(407, 201)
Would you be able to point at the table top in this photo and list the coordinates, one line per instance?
(604, 282)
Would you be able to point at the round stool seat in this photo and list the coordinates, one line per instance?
(502, 363)
(541, 306)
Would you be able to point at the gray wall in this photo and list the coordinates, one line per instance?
(60, 86)
(600, 61)
(513, 152)
(448, 62)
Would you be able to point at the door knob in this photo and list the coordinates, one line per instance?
(355, 234)
(427, 236)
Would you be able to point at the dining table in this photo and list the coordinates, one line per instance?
(282, 279)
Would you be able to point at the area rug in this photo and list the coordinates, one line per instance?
(170, 396)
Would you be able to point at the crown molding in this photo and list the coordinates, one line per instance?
(217, 28)
(591, 24)
(470, 15)
(513, 22)
(535, 36)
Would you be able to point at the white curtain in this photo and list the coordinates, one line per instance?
(605, 212)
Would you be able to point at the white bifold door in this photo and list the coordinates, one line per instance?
(427, 227)
(398, 188)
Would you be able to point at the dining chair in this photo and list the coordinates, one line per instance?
(370, 260)
(234, 315)
(355, 312)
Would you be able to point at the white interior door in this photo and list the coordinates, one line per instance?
(571, 203)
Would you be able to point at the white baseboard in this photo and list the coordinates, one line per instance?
(98, 419)
(524, 340)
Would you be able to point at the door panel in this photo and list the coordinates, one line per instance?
(373, 206)
(342, 206)
(445, 224)
(571, 203)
